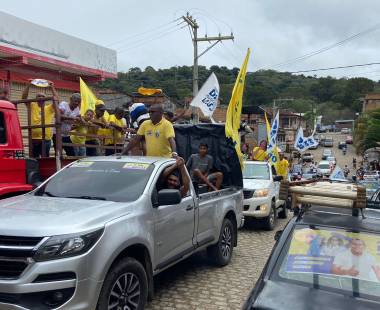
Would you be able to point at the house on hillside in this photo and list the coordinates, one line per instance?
(371, 102)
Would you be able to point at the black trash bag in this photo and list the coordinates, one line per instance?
(188, 137)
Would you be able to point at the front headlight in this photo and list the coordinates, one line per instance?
(261, 192)
(63, 246)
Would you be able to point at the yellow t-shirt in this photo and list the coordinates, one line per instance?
(282, 168)
(79, 139)
(261, 154)
(120, 137)
(36, 120)
(157, 137)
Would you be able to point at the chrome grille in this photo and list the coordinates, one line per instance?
(14, 254)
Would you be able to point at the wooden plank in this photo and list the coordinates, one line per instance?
(308, 190)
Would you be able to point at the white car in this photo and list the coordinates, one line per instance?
(261, 194)
(324, 168)
(332, 160)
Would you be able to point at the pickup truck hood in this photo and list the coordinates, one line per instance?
(37, 216)
(256, 184)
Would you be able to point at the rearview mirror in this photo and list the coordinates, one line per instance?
(277, 178)
(169, 197)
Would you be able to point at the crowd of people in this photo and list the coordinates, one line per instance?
(259, 153)
(97, 133)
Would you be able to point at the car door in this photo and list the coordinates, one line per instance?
(174, 229)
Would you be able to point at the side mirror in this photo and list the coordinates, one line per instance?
(278, 178)
(277, 235)
(169, 197)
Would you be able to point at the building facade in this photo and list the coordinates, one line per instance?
(371, 102)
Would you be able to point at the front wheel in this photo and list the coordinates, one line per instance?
(125, 287)
(269, 222)
(221, 253)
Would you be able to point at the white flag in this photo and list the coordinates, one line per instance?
(301, 143)
(337, 175)
(207, 97)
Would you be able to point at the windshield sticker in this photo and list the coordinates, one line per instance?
(338, 253)
(82, 164)
(136, 166)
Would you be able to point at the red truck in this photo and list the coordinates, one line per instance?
(16, 174)
(19, 173)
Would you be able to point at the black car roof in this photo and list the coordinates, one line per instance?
(340, 218)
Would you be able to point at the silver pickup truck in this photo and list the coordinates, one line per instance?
(94, 235)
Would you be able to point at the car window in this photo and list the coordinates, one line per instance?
(3, 136)
(256, 172)
(332, 259)
(324, 166)
(107, 180)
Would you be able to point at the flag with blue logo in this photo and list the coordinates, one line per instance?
(207, 97)
(337, 174)
(302, 143)
(272, 132)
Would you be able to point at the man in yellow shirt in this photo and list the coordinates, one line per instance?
(118, 127)
(159, 135)
(260, 152)
(283, 166)
(50, 109)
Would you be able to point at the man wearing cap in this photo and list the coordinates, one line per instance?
(159, 135)
(283, 166)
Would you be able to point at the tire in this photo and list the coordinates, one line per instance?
(221, 253)
(269, 222)
(127, 277)
(283, 214)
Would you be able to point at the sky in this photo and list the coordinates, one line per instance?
(152, 33)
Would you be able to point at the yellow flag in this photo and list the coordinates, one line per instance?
(88, 99)
(149, 91)
(234, 108)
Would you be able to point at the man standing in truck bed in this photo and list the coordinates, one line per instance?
(159, 135)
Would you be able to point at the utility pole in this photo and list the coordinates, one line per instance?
(194, 30)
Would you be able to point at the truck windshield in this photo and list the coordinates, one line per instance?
(332, 259)
(324, 166)
(256, 172)
(99, 180)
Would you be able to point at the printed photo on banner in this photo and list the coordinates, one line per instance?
(335, 252)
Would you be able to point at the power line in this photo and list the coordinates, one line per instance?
(151, 40)
(143, 33)
(328, 47)
(151, 36)
(339, 67)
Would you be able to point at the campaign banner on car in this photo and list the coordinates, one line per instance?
(302, 143)
(335, 252)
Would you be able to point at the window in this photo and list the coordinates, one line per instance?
(3, 133)
(105, 180)
(332, 259)
(260, 172)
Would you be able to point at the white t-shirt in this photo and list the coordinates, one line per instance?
(64, 107)
(363, 264)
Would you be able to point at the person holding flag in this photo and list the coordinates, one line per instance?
(259, 153)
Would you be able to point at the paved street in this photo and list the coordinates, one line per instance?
(341, 159)
(197, 284)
